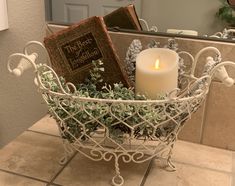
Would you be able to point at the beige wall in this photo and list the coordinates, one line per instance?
(183, 14)
(20, 104)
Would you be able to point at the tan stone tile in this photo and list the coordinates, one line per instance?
(199, 155)
(186, 175)
(219, 123)
(203, 156)
(83, 171)
(233, 173)
(32, 154)
(194, 46)
(193, 127)
(122, 41)
(46, 125)
(7, 179)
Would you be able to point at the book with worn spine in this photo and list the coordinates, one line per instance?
(73, 49)
(123, 17)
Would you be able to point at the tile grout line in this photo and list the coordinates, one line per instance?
(232, 173)
(201, 167)
(204, 118)
(24, 176)
(63, 167)
(38, 132)
(145, 175)
(147, 172)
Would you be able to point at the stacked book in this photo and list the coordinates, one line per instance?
(73, 49)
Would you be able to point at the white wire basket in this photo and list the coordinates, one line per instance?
(76, 115)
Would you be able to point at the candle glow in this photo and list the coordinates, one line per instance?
(157, 64)
(152, 78)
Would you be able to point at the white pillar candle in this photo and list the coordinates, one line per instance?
(154, 81)
(3, 15)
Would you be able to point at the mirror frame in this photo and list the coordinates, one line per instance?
(164, 34)
(48, 18)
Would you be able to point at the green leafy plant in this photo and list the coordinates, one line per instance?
(85, 112)
(226, 13)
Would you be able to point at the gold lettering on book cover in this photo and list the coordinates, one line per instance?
(81, 51)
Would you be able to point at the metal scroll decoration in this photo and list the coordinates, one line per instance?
(94, 137)
(227, 33)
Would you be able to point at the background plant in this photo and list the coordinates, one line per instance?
(226, 13)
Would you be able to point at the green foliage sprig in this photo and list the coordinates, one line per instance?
(226, 13)
(84, 112)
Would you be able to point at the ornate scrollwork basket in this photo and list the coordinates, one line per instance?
(163, 118)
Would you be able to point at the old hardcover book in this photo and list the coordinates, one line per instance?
(73, 49)
(123, 17)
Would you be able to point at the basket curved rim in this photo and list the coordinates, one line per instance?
(89, 99)
(67, 95)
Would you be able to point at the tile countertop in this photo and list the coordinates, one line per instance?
(32, 159)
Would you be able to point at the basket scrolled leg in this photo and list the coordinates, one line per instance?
(117, 179)
(68, 152)
(170, 166)
(63, 160)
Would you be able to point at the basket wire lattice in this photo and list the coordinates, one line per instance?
(94, 139)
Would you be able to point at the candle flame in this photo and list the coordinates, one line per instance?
(157, 64)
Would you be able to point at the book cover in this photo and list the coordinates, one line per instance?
(123, 17)
(73, 49)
